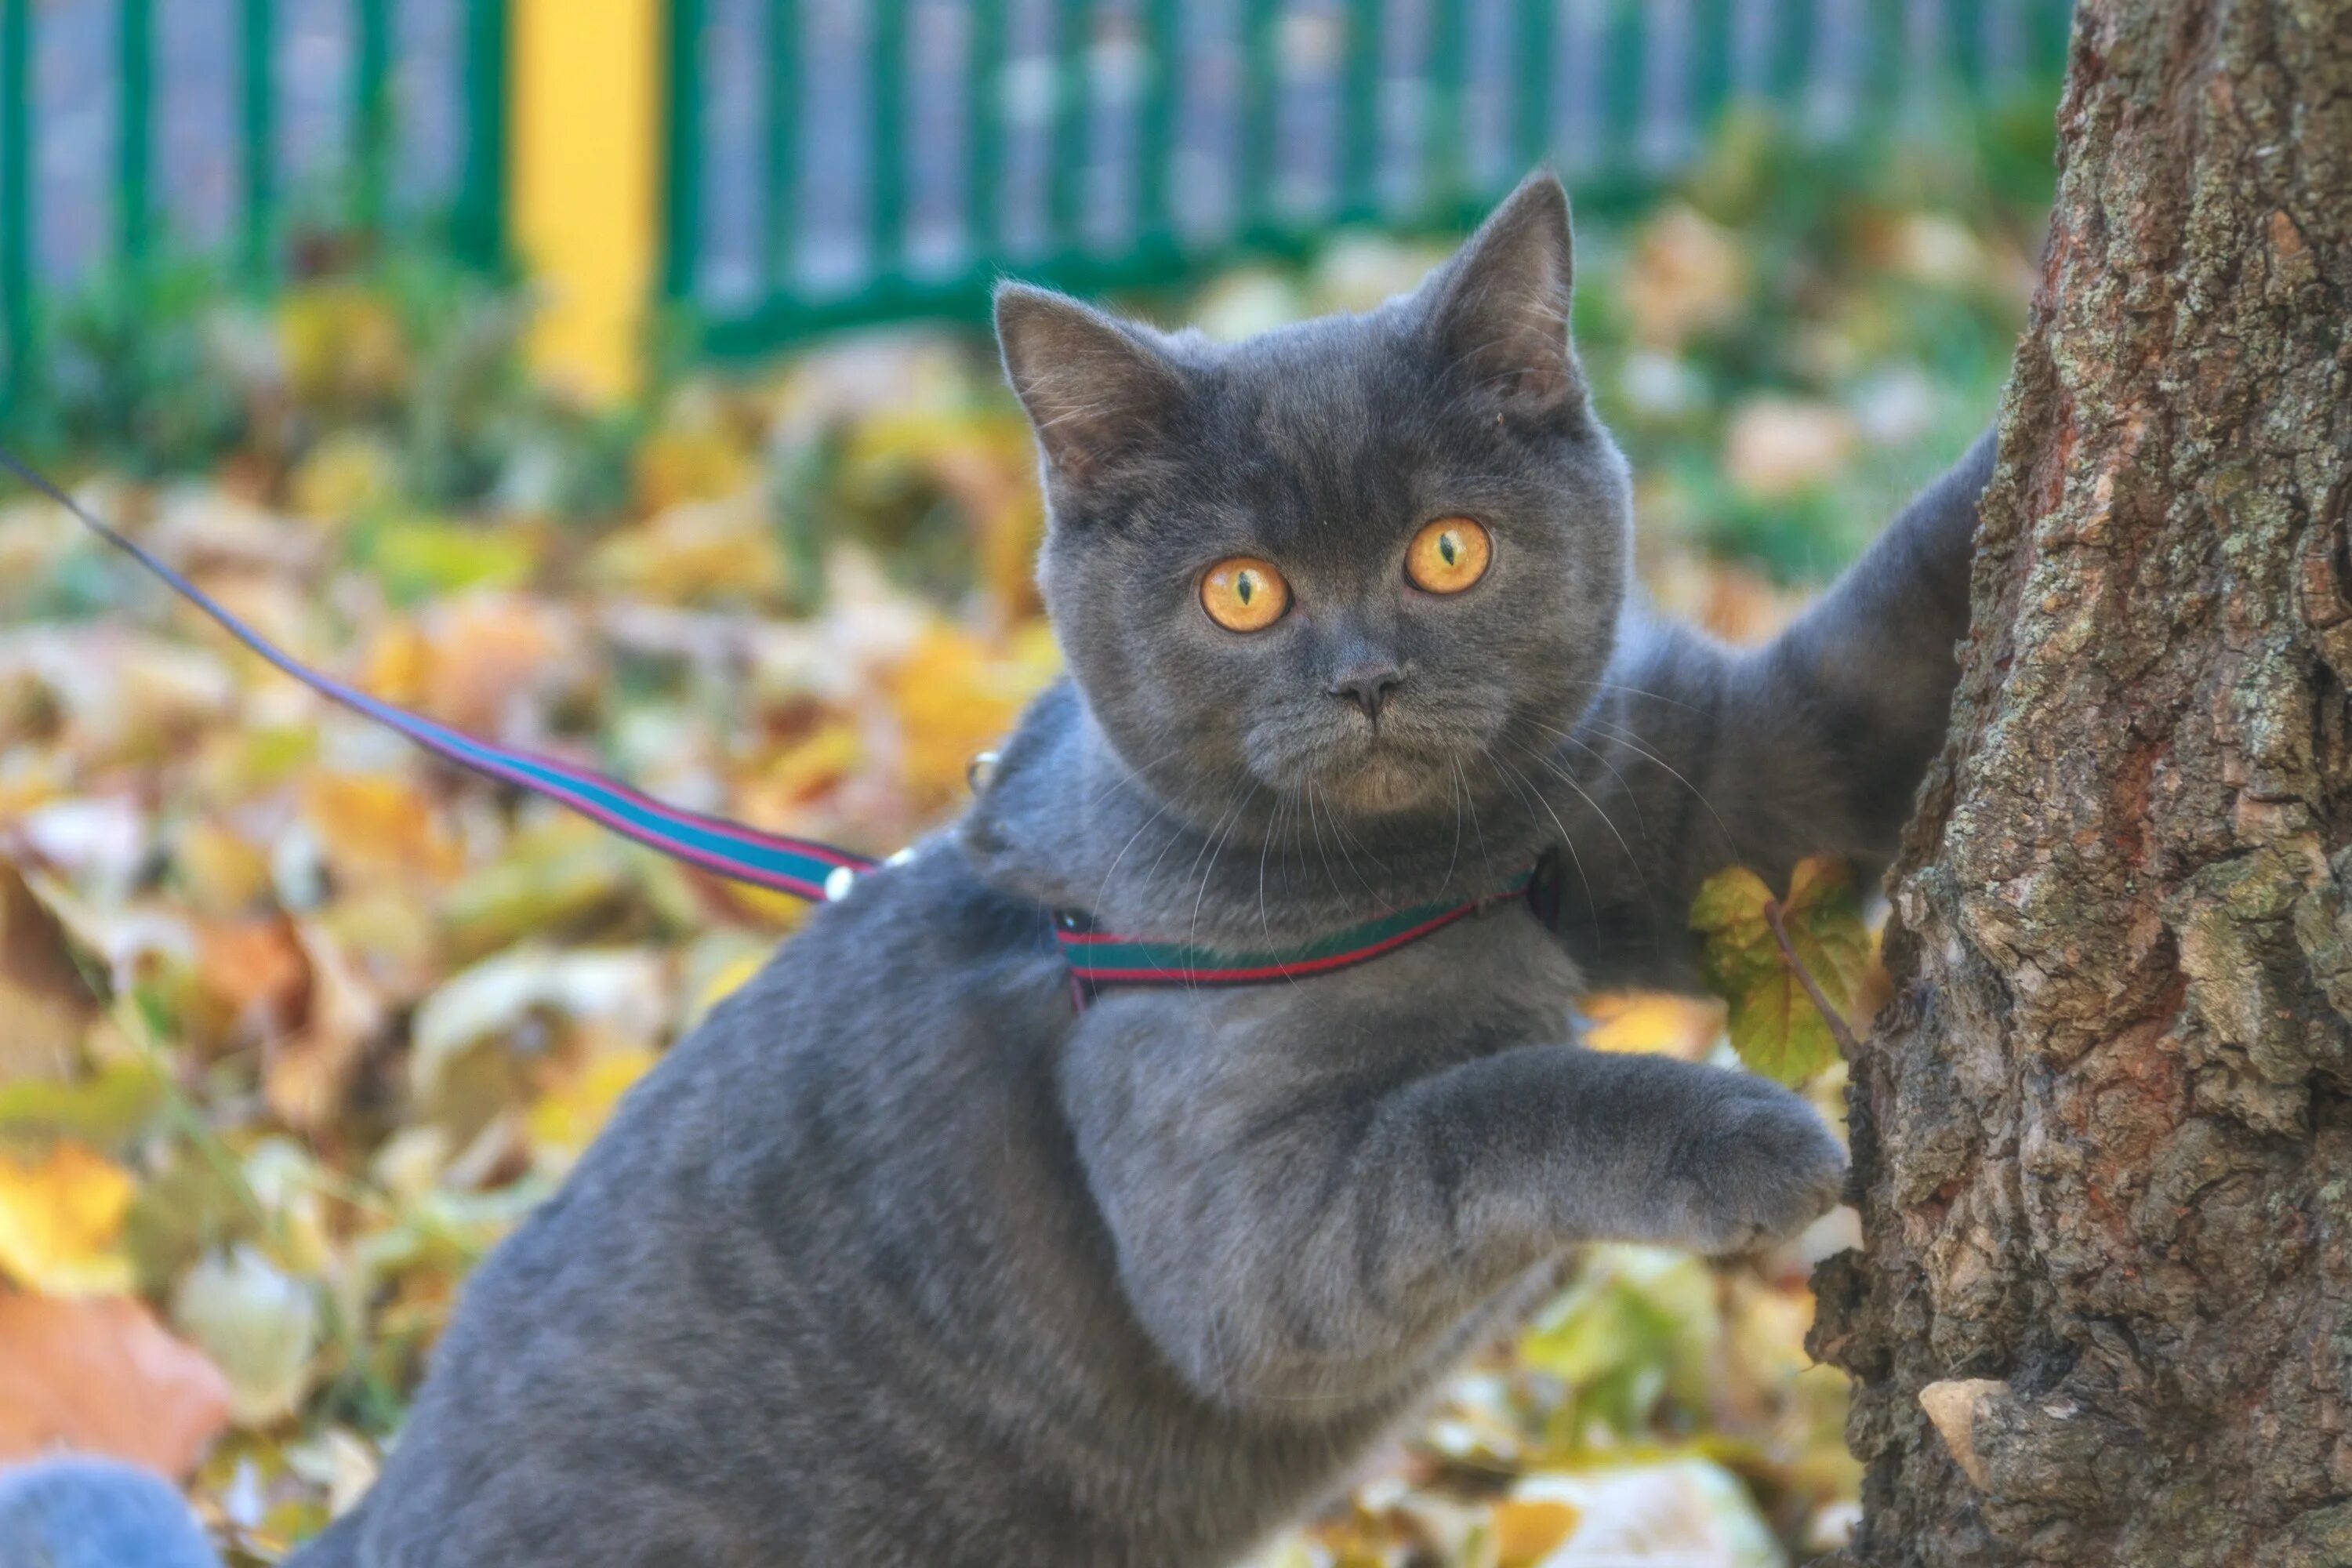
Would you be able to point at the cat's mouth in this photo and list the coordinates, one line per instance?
(1395, 766)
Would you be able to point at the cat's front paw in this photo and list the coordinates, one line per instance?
(1755, 1166)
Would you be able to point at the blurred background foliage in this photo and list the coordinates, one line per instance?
(294, 1025)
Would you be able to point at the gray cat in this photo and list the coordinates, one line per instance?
(903, 1258)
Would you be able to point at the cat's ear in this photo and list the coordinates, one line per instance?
(1499, 310)
(1095, 387)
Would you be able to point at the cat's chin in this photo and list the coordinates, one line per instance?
(1385, 784)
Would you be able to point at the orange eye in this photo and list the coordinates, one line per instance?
(1244, 595)
(1448, 555)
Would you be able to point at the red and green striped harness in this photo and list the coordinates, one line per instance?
(808, 869)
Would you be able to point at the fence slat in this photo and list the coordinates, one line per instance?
(780, 157)
(1790, 51)
(134, 150)
(477, 226)
(1155, 132)
(1531, 43)
(1073, 106)
(256, 139)
(682, 165)
(886, 177)
(1360, 198)
(1712, 67)
(1664, 133)
(984, 118)
(1439, 143)
(15, 200)
(371, 113)
(1260, 44)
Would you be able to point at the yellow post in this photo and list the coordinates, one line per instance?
(585, 182)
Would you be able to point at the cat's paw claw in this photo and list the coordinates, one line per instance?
(1756, 1168)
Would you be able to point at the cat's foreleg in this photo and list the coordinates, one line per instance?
(1326, 1241)
(1693, 756)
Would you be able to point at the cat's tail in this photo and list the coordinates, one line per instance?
(96, 1513)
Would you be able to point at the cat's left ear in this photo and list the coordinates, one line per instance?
(1499, 310)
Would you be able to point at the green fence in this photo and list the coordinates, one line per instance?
(866, 160)
(249, 63)
(877, 145)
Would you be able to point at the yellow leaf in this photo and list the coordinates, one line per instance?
(1652, 1022)
(731, 978)
(1774, 1024)
(954, 696)
(222, 872)
(553, 874)
(347, 474)
(1527, 1530)
(695, 551)
(776, 910)
(691, 462)
(419, 556)
(339, 342)
(1779, 1032)
(61, 1223)
(809, 766)
(985, 463)
(1728, 913)
(399, 663)
(565, 1120)
(377, 826)
(45, 1002)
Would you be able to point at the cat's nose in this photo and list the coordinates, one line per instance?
(1368, 685)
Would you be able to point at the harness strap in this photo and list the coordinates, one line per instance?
(1098, 959)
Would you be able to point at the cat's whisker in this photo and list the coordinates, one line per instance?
(1158, 812)
(1632, 796)
(1215, 848)
(1520, 786)
(1321, 853)
(1124, 777)
(1640, 692)
(1264, 850)
(1378, 864)
(1631, 859)
(1633, 744)
(1551, 764)
(1627, 737)
(1453, 788)
(1470, 799)
(1343, 837)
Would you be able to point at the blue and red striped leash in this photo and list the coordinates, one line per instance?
(803, 866)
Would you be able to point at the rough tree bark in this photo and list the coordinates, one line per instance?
(2104, 1134)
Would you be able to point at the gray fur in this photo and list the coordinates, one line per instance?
(898, 1260)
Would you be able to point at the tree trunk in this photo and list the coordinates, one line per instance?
(2104, 1134)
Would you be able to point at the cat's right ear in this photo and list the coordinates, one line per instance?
(1095, 387)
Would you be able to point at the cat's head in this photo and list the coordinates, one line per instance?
(1362, 562)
